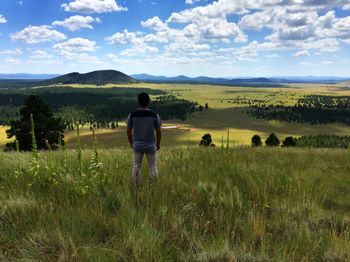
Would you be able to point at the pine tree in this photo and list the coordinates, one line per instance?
(47, 127)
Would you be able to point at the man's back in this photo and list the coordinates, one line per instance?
(143, 124)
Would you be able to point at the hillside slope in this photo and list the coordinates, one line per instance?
(102, 77)
(243, 204)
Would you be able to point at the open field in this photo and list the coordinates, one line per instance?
(223, 115)
(243, 204)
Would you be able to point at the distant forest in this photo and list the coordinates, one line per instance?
(94, 105)
(313, 109)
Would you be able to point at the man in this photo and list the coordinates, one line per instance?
(141, 126)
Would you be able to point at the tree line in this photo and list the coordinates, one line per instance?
(319, 141)
(95, 105)
(312, 109)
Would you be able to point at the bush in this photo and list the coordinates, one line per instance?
(289, 142)
(272, 140)
(206, 140)
(256, 141)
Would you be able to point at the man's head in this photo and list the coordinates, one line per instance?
(143, 99)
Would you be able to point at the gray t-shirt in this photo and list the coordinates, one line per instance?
(143, 124)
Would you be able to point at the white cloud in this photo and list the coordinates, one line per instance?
(41, 54)
(307, 63)
(16, 51)
(93, 6)
(251, 51)
(186, 46)
(346, 7)
(77, 22)
(3, 20)
(191, 2)
(210, 22)
(141, 49)
(13, 61)
(19, 2)
(125, 37)
(38, 34)
(327, 62)
(273, 56)
(346, 41)
(74, 46)
(302, 53)
(155, 23)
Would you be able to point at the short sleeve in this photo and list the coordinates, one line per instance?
(129, 122)
(158, 122)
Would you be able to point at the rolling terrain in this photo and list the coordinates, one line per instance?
(222, 115)
(209, 204)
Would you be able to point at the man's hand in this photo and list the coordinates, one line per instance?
(159, 137)
(129, 133)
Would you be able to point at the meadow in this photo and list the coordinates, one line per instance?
(237, 204)
(223, 115)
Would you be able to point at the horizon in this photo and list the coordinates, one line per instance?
(285, 38)
(190, 76)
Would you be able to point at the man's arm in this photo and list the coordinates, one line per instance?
(129, 133)
(159, 137)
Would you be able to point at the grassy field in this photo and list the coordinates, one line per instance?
(222, 115)
(242, 204)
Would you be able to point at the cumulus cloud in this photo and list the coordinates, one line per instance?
(38, 34)
(210, 22)
(17, 51)
(75, 46)
(3, 20)
(141, 49)
(77, 22)
(186, 47)
(93, 6)
(41, 54)
(155, 23)
(124, 37)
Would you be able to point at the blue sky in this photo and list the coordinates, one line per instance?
(222, 38)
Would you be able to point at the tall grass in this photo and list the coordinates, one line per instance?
(240, 204)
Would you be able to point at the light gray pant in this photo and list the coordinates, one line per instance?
(152, 163)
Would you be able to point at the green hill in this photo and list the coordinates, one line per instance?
(93, 78)
(244, 204)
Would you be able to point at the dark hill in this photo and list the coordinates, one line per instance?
(93, 78)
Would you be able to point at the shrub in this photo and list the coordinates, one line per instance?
(289, 142)
(272, 140)
(256, 141)
(206, 140)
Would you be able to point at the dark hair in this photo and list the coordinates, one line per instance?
(143, 99)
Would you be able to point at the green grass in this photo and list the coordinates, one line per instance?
(241, 204)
